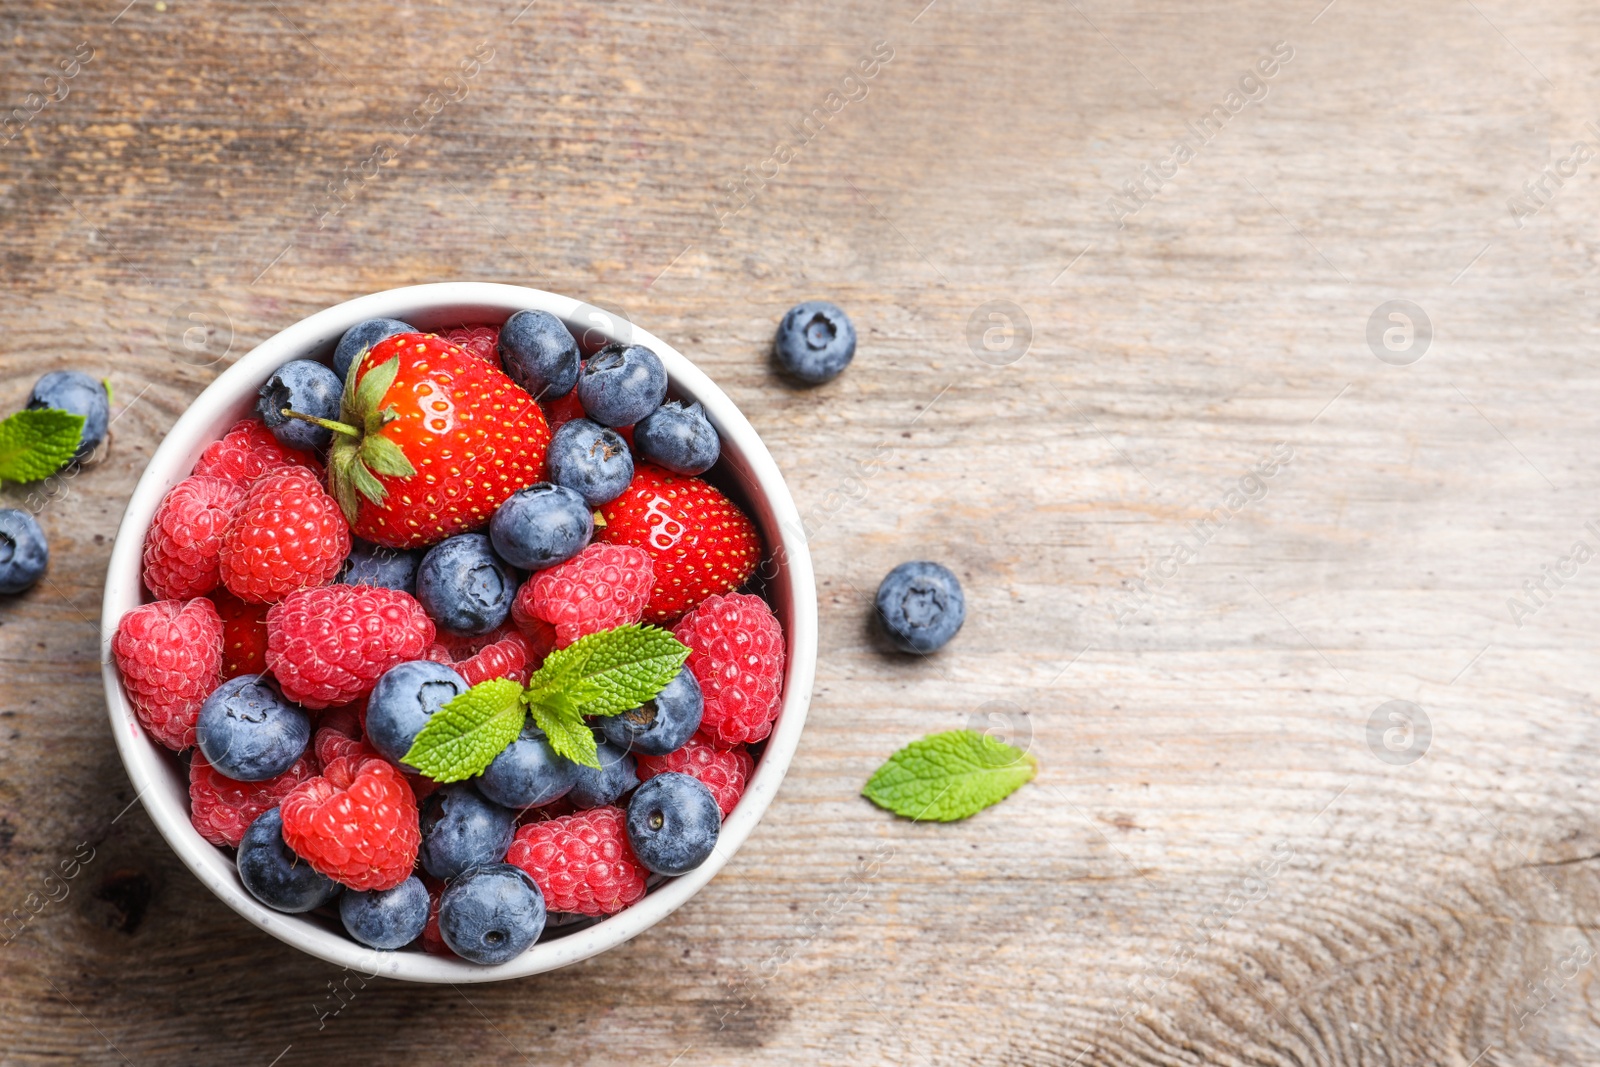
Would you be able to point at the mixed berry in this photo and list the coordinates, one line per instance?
(422, 626)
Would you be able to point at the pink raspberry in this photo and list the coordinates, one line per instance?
(223, 809)
(184, 542)
(328, 645)
(170, 657)
(723, 771)
(356, 823)
(329, 744)
(502, 653)
(287, 534)
(582, 862)
(602, 587)
(480, 341)
(736, 654)
(247, 452)
(432, 939)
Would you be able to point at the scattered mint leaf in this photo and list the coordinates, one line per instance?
(465, 735)
(36, 443)
(111, 397)
(600, 674)
(949, 776)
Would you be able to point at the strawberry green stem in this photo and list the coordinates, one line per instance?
(327, 424)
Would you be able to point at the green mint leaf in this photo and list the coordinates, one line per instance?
(110, 396)
(465, 735)
(35, 444)
(610, 672)
(949, 776)
(564, 728)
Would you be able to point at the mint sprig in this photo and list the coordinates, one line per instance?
(601, 674)
(949, 776)
(36, 443)
(465, 735)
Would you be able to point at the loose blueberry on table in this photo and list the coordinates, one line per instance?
(815, 342)
(378, 611)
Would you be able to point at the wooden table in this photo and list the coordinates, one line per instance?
(1214, 509)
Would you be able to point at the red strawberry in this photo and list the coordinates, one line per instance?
(480, 341)
(244, 635)
(700, 541)
(430, 441)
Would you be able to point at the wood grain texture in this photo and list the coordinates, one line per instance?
(1213, 867)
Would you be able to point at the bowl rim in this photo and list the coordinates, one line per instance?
(165, 797)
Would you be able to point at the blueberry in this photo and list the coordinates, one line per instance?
(378, 565)
(23, 551)
(541, 526)
(615, 776)
(362, 336)
(464, 587)
(661, 725)
(921, 606)
(539, 353)
(491, 914)
(274, 875)
(308, 388)
(404, 699)
(527, 772)
(248, 732)
(673, 821)
(621, 384)
(591, 460)
(678, 438)
(815, 342)
(78, 393)
(386, 918)
(461, 830)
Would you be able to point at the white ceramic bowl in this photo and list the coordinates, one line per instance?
(746, 470)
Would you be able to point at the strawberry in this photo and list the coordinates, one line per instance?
(429, 441)
(699, 540)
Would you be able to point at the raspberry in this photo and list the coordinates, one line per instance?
(541, 633)
(432, 940)
(223, 809)
(170, 657)
(330, 744)
(502, 653)
(601, 587)
(287, 534)
(723, 771)
(327, 646)
(356, 823)
(582, 862)
(562, 410)
(247, 452)
(736, 654)
(184, 541)
(480, 341)
(244, 635)
(345, 719)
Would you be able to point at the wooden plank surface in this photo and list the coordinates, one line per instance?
(1220, 862)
